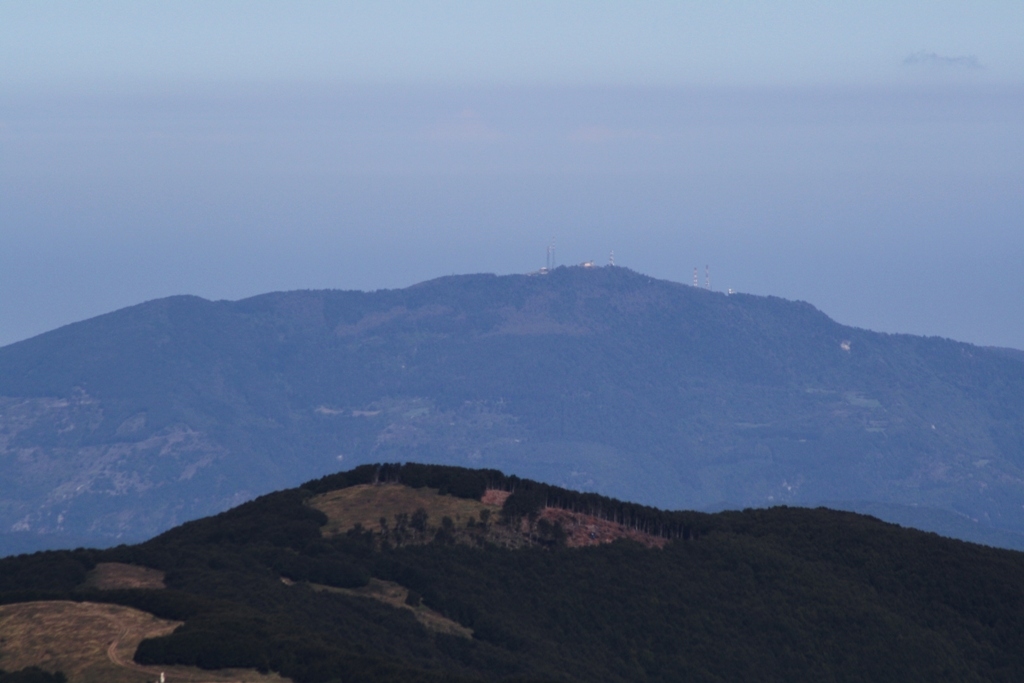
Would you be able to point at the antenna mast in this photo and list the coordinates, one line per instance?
(707, 277)
(695, 282)
(611, 258)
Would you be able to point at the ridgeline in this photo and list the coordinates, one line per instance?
(598, 379)
(280, 586)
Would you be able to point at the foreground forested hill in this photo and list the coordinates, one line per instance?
(600, 379)
(415, 573)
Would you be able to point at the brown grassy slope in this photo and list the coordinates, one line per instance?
(393, 594)
(585, 530)
(367, 503)
(95, 643)
(115, 575)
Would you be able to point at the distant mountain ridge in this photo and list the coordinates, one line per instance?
(599, 379)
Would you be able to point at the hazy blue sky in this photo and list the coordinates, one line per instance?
(866, 157)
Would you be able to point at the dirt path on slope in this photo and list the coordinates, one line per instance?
(96, 643)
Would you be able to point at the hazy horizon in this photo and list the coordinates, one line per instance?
(864, 157)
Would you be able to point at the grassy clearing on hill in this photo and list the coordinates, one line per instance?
(117, 575)
(366, 504)
(95, 643)
(772, 595)
(396, 595)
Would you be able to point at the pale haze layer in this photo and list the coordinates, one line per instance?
(864, 157)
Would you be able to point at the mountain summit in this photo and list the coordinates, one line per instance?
(597, 379)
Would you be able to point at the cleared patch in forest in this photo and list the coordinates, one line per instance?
(585, 530)
(365, 504)
(397, 504)
(96, 643)
(116, 575)
(397, 596)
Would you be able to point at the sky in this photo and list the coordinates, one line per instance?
(863, 156)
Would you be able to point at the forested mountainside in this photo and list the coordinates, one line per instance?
(429, 573)
(597, 379)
